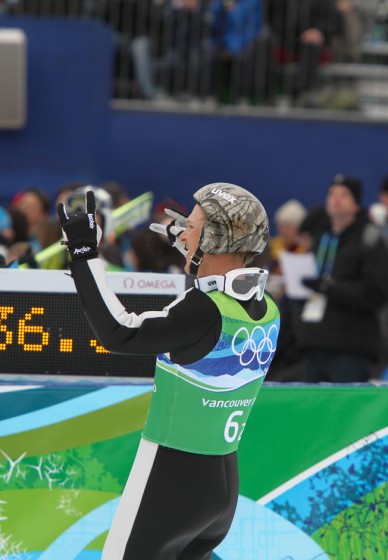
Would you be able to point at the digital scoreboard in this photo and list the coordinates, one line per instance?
(43, 329)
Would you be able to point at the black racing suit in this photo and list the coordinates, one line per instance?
(179, 504)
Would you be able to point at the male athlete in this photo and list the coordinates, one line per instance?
(214, 345)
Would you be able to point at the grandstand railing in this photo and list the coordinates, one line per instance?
(175, 52)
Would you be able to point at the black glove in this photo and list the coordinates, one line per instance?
(320, 285)
(173, 229)
(80, 231)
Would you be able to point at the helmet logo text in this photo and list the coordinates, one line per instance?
(225, 195)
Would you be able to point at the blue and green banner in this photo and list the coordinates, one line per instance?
(313, 466)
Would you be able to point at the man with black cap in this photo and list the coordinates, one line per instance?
(340, 334)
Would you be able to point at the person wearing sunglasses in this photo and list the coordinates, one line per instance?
(214, 345)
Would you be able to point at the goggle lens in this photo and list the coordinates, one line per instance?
(244, 284)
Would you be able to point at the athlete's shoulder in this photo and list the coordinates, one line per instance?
(272, 303)
(270, 297)
(194, 302)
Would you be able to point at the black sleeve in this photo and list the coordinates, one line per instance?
(189, 326)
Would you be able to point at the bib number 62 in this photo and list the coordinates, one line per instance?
(232, 428)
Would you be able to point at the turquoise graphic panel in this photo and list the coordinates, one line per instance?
(257, 533)
(308, 492)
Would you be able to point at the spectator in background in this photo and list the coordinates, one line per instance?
(161, 37)
(64, 191)
(383, 192)
(133, 23)
(288, 217)
(378, 212)
(294, 35)
(211, 48)
(117, 192)
(6, 235)
(145, 20)
(354, 22)
(314, 224)
(19, 226)
(151, 251)
(6, 227)
(340, 334)
(185, 56)
(15, 247)
(374, 18)
(236, 25)
(35, 205)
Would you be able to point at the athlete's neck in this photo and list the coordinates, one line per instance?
(219, 264)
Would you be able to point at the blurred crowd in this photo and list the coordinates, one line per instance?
(335, 330)
(228, 50)
(29, 227)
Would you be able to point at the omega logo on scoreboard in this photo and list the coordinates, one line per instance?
(145, 284)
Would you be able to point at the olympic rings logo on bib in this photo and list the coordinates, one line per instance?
(262, 346)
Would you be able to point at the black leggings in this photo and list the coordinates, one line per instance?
(176, 506)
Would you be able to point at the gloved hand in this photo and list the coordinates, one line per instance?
(81, 232)
(320, 285)
(173, 229)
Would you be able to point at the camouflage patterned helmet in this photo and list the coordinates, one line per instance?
(236, 221)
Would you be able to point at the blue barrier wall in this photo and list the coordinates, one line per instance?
(277, 158)
(72, 134)
(69, 79)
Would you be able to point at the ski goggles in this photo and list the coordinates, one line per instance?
(240, 283)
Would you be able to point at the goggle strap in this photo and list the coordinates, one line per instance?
(210, 283)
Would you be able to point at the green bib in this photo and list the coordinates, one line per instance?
(203, 407)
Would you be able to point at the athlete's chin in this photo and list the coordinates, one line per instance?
(187, 267)
(188, 263)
